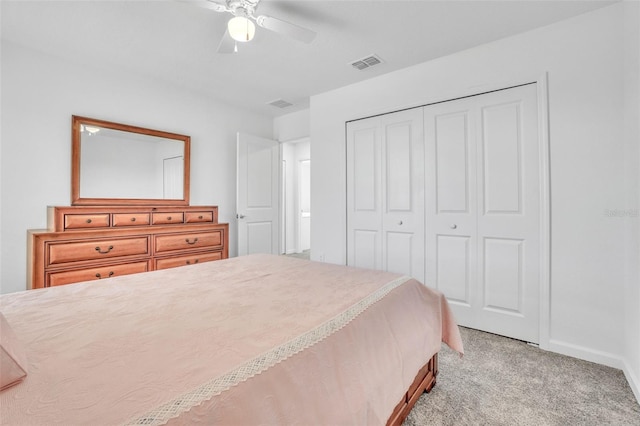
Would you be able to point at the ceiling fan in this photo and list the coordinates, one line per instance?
(241, 27)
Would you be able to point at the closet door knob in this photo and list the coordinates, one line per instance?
(400, 223)
(453, 226)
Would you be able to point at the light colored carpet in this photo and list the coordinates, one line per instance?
(303, 255)
(501, 381)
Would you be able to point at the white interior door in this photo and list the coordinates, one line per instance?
(385, 193)
(483, 209)
(257, 195)
(173, 175)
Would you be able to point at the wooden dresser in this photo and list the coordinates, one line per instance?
(92, 243)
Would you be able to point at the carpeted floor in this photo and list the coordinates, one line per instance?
(502, 381)
(303, 255)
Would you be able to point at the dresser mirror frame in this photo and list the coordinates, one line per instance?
(79, 127)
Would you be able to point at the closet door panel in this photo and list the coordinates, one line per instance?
(483, 185)
(452, 162)
(364, 166)
(503, 275)
(398, 177)
(364, 195)
(501, 147)
(385, 193)
(453, 266)
(399, 253)
(450, 202)
(509, 213)
(403, 189)
(365, 249)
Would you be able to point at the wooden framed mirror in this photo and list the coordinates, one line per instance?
(119, 164)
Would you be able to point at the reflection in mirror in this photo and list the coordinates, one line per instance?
(120, 164)
(117, 164)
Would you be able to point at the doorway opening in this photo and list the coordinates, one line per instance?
(295, 236)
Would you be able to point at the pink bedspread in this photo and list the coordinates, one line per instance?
(252, 340)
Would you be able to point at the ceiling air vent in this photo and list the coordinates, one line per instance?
(366, 62)
(280, 103)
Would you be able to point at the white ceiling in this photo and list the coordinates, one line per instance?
(176, 43)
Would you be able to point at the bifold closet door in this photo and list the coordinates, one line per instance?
(483, 209)
(385, 193)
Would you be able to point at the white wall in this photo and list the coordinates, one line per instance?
(584, 60)
(632, 180)
(39, 95)
(291, 126)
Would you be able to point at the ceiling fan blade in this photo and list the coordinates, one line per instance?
(227, 44)
(208, 4)
(286, 28)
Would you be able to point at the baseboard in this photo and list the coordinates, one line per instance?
(587, 354)
(633, 380)
(599, 357)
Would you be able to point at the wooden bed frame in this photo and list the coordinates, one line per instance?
(425, 380)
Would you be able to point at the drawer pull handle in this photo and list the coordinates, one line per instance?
(104, 252)
(200, 217)
(100, 276)
(189, 262)
(168, 217)
(133, 219)
(88, 220)
(195, 240)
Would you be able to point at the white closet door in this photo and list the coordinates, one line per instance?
(483, 209)
(509, 212)
(385, 193)
(364, 193)
(451, 223)
(403, 193)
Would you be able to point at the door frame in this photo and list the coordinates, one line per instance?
(542, 86)
(299, 193)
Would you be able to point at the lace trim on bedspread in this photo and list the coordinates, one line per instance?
(257, 365)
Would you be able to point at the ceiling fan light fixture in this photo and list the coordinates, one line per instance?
(241, 29)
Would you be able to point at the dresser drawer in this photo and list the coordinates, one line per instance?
(84, 221)
(198, 217)
(95, 273)
(192, 259)
(167, 218)
(130, 219)
(66, 251)
(192, 240)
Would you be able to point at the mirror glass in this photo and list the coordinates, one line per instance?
(120, 164)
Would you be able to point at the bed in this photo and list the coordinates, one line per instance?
(259, 339)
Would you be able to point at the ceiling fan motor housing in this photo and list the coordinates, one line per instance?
(244, 8)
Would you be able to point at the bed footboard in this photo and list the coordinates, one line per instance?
(425, 380)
